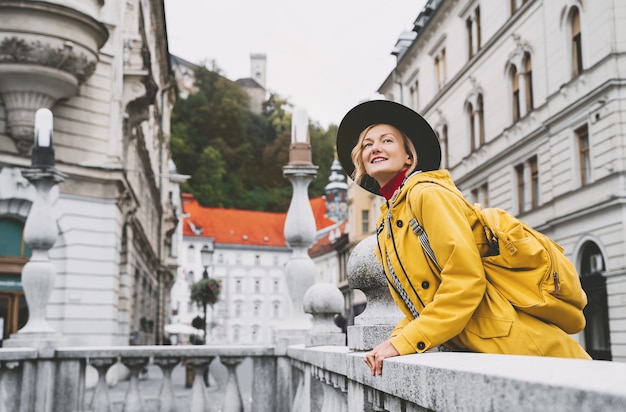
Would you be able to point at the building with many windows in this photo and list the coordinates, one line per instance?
(103, 70)
(249, 253)
(527, 100)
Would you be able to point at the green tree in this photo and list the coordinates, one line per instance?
(234, 156)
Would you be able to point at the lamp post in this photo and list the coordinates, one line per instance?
(206, 257)
(300, 222)
(40, 233)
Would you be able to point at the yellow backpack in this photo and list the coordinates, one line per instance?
(528, 268)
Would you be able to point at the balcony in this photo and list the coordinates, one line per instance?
(38, 68)
(312, 371)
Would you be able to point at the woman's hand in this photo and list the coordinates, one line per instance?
(374, 359)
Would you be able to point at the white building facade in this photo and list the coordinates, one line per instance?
(248, 261)
(527, 98)
(103, 70)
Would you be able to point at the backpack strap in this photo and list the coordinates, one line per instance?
(423, 237)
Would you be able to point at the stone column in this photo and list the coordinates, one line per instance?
(381, 314)
(299, 229)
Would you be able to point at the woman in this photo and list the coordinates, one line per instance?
(391, 151)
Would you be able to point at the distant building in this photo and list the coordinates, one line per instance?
(255, 84)
(103, 70)
(185, 75)
(249, 257)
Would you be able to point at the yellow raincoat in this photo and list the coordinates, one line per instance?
(458, 307)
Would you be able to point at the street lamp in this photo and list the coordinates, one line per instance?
(206, 257)
(40, 234)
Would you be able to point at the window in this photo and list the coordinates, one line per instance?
(480, 195)
(528, 82)
(257, 285)
(238, 285)
(257, 259)
(12, 239)
(191, 257)
(472, 25)
(534, 182)
(576, 43)
(415, 98)
(515, 93)
(236, 333)
(521, 187)
(440, 68)
(276, 311)
(584, 159)
(276, 286)
(220, 258)
(527, 184)
(476, 123)
(365, 221)
(472, 126)
(238, 305)
(257, 308)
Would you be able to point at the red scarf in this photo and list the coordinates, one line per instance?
(389, 189)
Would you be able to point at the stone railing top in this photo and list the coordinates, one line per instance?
(164, 351)
(457, 381)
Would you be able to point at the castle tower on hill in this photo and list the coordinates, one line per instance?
(258, 68)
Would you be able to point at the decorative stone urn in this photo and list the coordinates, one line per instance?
(47, 50)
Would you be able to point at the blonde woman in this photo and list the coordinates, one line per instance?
(390, 150)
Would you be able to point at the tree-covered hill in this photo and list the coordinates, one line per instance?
(234, 156)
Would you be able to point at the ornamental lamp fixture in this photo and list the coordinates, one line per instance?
(42, 152)
(300, 148)
(206, 257)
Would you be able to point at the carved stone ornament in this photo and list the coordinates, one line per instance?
(16, 50)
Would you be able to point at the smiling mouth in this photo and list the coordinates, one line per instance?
(378, 160)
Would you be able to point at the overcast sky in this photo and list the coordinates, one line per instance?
(323, 55)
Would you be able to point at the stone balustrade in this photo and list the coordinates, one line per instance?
(315, 372)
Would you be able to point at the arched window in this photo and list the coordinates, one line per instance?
(528, 82)
(597, 332)
(480, 120)
(472, 126)
(576, 42)
(515, 109)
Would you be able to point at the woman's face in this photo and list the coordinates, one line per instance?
(384, 154)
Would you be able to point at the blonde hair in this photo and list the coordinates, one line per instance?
(359, 168)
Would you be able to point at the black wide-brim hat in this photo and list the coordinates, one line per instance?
(404, 119)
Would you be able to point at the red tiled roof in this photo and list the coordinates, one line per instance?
(326, 243)
(235, 226)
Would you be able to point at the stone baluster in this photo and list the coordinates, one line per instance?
(381, 314)
(134, 401)
(167, 397)
(264, 384)
(40, 233)
(232, 394)
(101, 401)
(198, 399)
(324, 301)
